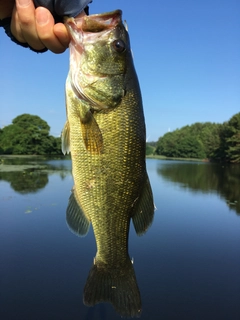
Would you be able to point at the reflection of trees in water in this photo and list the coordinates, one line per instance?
(36, 178)
(62, 170)
(229, 186)
(21, 160)
(63, 174)
(223, 179)
(28, 181)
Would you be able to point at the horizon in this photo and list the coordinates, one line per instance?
(186, 56)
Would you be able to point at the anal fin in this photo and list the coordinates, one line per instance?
(76, 219)
(143, 209)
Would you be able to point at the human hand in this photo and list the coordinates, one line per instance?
(36, 26)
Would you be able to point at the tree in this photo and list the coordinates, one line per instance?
(191, 147)
(149, 149)
(28, 134)
(181, 143)
(233, 139)
(214, 141)
(27, 121)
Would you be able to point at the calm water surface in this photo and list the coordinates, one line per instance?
(187, 265)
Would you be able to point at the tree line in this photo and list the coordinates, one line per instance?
(28, 135)
(213, 141)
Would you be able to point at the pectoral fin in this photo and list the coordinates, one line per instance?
(76, 219)
(66, 138)
(143, 209)
(91, 133)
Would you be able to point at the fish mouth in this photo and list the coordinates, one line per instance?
(101, 22)
(86, 27)
(95, 22)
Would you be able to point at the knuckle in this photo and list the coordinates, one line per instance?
(26, 21)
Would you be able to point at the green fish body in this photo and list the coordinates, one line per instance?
(105, 133)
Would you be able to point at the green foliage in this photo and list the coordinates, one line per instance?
(203, 140)
(28, 134)
(233, 139)
(182, 143)
(229, 149)
(152, 143)
(27, 121)
(149, 149)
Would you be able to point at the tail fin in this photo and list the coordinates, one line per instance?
(115, 285)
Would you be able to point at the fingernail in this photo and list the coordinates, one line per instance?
(23, 3)
(42, 16)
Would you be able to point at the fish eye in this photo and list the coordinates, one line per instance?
(119, 45)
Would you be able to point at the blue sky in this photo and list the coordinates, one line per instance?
(186, 53)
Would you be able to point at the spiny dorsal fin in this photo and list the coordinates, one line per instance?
(143, 209)
(76, 219)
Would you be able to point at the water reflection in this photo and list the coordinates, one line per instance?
(30, 174)
(111, 280)
(28, 181)
(187, 265)
(115, 283)
(112, 276)
(205, 178)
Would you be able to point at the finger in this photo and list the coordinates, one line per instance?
(62, 34)
(44, 26)
(15, 26)
(24, 24)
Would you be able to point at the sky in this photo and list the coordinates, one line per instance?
(186, 54)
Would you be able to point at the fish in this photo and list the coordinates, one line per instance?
(106, 136)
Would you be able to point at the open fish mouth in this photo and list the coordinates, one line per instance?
(86, 27)
(96, 22)
(85, 32)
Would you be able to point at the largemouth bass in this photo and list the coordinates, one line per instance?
(105, 133)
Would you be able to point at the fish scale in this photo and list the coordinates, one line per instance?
(107, 144)
(112, 191)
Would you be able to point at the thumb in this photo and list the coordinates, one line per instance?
(45, 30)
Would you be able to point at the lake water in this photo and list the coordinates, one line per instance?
(187, 264)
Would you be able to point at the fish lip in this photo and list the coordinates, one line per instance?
(102, 21)
(95, 23)
(106, 15)
(92, 22)
(75, 33)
